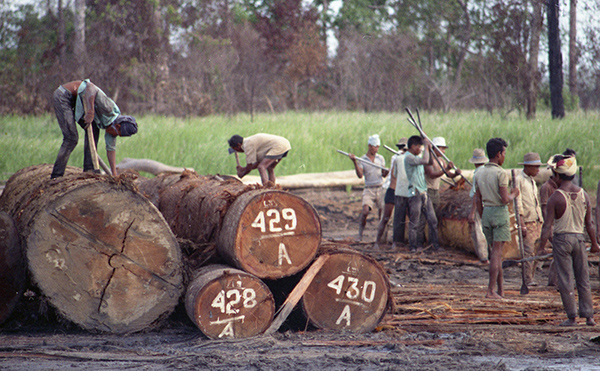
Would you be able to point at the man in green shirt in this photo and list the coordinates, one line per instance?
(491, 198)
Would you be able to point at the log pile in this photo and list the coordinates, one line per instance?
(12, 266)
(101, 253)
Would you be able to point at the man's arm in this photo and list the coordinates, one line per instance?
(357, 168)
(244, 170)
(548, 222)
(477, 201)
(112, 161)
(589, 225)
(506, 196)
(89, 99)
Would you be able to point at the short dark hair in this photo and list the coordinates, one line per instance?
(235, 140)
(495, 146)
(569, 152)
(415, 139)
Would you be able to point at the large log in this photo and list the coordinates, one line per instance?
(225, 302)
(266, 232)
(453, 224)
(351, 292)
(100, 252)
(12, 267)
(270, 233)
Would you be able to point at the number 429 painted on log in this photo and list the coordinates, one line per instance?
(289, 215)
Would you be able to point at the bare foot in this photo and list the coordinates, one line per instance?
(590, 321)
(493, 295)
(569, 322)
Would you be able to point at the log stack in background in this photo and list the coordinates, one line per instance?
(100, 252)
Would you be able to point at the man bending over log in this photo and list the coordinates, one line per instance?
(85, 103)
(491, 198)
(568, 211)
(263, 152)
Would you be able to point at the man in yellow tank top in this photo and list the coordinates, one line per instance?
(569, 210)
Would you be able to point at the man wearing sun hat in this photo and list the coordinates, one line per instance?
(434, 172)
(479, 242)
(530, 210)
(568, 213)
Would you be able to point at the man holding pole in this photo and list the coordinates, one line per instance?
(418, 199)
(491, 198)
(530, 211)
(435, 170)
(372, 196)
(568, 213)
(84, 103)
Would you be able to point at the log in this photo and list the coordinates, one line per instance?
(100, 252)
(148, 166)
(351, 292)
(453, 224)
(270, 233)
(224, 302)
(12, 267)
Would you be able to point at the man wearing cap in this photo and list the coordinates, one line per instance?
(84, 103)
(568, 212)
(263, 152)
(529, 210)
(492, 196)
(481, 247)
(390, 191)
(418, 200)
(372, 196)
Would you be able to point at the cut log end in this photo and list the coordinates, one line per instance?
(350, 293)
(12, 267)
(225, 302)
(271, 234)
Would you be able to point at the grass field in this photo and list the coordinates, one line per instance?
(201, 143)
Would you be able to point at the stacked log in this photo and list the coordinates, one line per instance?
(351, 292)
(225, 302)
(12, 267)
(100, 252)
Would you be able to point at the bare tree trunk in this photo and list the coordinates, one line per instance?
(555, 60)
(534, 51)
(79, 48)
(62, 50)
(573, 49)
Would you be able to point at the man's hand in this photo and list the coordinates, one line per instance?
(523, 229)
(595, 248)
(352, 157)
(241, 171)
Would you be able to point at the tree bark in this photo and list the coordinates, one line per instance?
(79, 48)
(62, 48)
(573, 52)
(533, 75)
(555, 60)
(12, 266)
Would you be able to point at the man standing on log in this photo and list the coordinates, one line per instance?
(492, 197)
(568, 212)
(84, 103)
(529, 210)
(418, 200)
(373, 192)
(263, 152)
(481, 247)
(390, 193)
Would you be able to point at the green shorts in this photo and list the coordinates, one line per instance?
(495, 223)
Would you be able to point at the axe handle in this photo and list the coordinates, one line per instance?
(92, 144)
(237, 159)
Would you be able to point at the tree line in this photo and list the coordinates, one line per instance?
(200, 57)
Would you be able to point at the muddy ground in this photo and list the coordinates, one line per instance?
(438, 332)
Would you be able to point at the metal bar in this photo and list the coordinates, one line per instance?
(364, 161)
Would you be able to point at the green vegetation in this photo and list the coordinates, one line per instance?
(201, 143)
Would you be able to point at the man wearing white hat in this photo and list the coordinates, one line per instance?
(568, 213)
(479, 242)
(372, 196)
(530, 210)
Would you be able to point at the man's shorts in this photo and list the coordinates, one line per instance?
(373, 197)
(495, 223)
(278, 157)
(390, 196)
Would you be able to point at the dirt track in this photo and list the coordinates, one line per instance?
(441, 322)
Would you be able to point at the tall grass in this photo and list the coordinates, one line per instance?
(201, 143)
